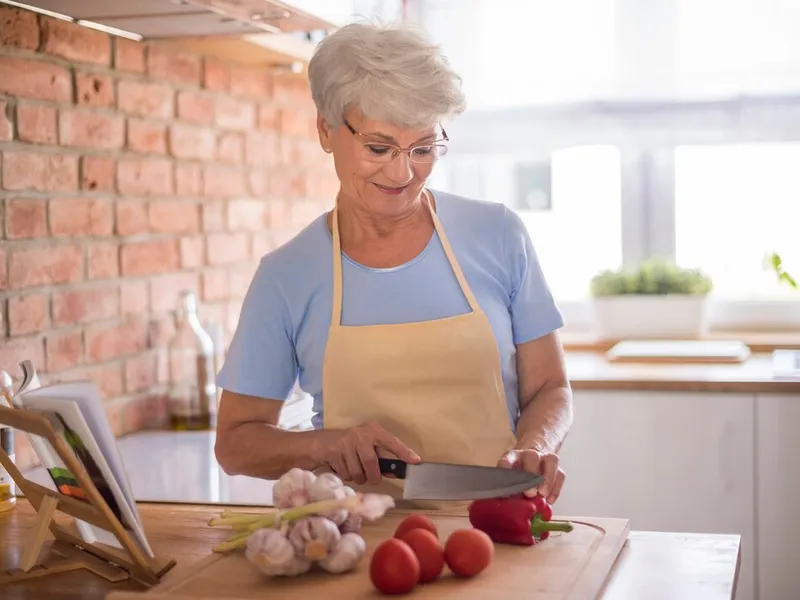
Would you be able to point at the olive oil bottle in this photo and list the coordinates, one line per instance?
(193, 391)
(8, 496)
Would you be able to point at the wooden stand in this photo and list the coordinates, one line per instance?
(69, 552)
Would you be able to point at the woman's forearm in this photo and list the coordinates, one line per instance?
(545, 420)
(266, 451)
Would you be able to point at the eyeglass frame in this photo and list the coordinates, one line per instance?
(397, 149)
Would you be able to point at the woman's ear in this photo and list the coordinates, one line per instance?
(324, 132)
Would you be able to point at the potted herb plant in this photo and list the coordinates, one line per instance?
(657, 299)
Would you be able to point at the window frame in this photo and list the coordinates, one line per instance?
(646, 133)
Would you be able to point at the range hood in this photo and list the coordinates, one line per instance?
(256, 32)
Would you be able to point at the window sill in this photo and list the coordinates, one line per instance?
(758, 341)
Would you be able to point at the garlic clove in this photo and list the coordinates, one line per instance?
(292, 489)
(272, 553)
(314, 537)
(349, 551)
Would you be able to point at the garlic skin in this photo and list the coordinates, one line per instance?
(292, 489)
(348, 553)
(315, 537)
(274, 555)
(351, 524)
(329, 487)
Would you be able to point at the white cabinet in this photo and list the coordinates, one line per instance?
(778, 495)
(681, 462)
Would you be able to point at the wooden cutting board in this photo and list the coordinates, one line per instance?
(568, 566)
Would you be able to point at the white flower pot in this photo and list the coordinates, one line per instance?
(633, 316)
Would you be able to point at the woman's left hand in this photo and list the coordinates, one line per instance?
(546, 464)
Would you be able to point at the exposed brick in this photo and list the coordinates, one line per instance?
(279, 214)
(213, 216)
(197, 107)
(25, 218)
(27, 314)
(129, 55)
(141, 372)
(91, 130)
(75, 42)
(223, 182)
(239, 279)
(268, 117)
(230, 148)
(192, 251)
(63, 350)
(262, 149)
(6, 128)
(297, 123)
(165, 290)
(246, 214)
(86, 304)
(147, 258)
(145, 99)
(162, 330)
(3, 270)
(188, 179)
(216, 76)
(45, 265)
(179, 67)
(223, 248)
(261, 243)
(294, 93)
(174, 216)
(215, 285)
(40, 172)
(102, 260)
(81, 216)
(131, 217)
(257, 182)
(18, 28)
(31, 348)
(145, 177)
(98, 173)
(114, 341)
(188, 141)
(148, 137)
(248, 81)
(94, 90)
(37, 124)
(34, 79)
(235, 114)
(134, 297)
(107, 378)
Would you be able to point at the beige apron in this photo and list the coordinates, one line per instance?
(436, 385)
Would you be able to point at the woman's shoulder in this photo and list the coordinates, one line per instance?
(482, 218)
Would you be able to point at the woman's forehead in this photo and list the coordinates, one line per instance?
(389, 132)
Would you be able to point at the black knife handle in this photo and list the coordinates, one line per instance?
(392, 466)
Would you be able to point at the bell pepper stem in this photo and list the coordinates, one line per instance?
(539, 526)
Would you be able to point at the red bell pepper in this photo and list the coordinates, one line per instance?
(516, 519)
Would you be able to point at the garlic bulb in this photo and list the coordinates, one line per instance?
(292, 489)
(314, 537)
(348, 552)
(273, 554)
(329, 487)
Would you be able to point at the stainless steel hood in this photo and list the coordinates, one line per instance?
(169, 19)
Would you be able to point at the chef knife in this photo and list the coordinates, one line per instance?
(445, 481)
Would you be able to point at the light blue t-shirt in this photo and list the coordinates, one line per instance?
(283, 327)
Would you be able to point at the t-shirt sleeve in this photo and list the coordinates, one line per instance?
(534, 312)
(261, 359)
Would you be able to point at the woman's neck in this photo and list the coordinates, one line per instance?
(384, 241)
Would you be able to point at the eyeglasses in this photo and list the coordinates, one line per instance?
(381, 152)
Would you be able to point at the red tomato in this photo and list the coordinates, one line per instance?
(415, 522)
(429, 551)
(394, 568)
(468, 552)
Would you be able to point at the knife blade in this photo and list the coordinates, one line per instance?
(446, 481)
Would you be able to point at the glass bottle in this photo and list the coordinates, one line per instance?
(193, 391)
(8, 495)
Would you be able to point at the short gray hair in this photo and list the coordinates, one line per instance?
(391, 73)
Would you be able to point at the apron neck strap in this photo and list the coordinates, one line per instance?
(336, 309)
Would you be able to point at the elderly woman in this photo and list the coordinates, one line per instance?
(419, 321)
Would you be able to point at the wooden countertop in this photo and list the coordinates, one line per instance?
(664, 565)
(589, 370)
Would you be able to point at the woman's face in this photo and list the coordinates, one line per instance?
(376, 178)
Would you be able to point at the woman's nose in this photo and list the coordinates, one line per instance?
(401, 168)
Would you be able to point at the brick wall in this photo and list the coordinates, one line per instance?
(128, 173)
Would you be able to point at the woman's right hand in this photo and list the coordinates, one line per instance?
(352, 453)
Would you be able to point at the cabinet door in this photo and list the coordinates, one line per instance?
(678, 462)
(778, 495)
